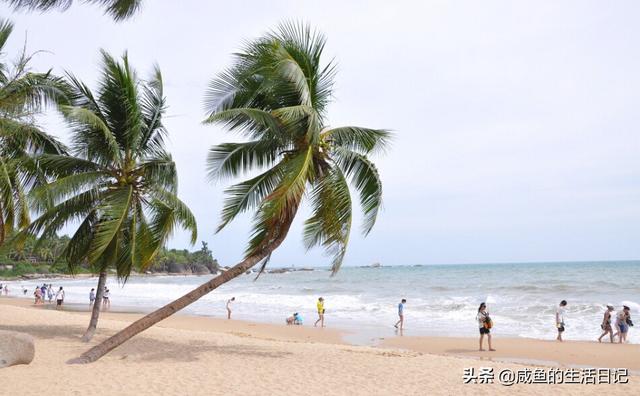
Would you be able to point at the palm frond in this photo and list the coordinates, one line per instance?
(362, 140)
(249, 194)
(113, 211)
(233, 159)
(365, 178)
(279, 208)
(330, 223)
(118, 9)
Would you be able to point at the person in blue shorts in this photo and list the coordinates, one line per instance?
(623, 321)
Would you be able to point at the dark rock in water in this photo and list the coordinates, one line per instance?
(15, 348)
(305, 269)
(175, 268)
(278, 271)
(200, 269)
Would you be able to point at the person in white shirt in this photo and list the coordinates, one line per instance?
(59, 298)
(106, 302)
(560, 319)
(232, 299)
(485, 324)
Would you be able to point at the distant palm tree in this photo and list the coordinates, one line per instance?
(121, 185)
(276, 94)
(118, 9)
(23, 95)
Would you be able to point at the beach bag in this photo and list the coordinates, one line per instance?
(488, 323)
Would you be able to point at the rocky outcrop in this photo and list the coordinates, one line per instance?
(200, 269)
(175, 268)
(15, 348)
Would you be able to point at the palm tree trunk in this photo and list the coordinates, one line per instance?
(2, 231)
(95, 313)
(151, 319)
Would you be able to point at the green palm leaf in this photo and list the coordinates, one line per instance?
(112, 211)
(118, 9)
(330, 223)
(365, 178)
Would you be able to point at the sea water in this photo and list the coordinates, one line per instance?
(441, 299)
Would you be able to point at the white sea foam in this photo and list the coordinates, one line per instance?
(522, 298)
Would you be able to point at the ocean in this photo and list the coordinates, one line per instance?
(441, 299)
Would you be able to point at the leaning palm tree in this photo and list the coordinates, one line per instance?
(276, 94)
(23, 96)
(117, 9)
(120, 186)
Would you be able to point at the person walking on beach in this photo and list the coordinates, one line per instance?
(92, 297)
(24, 291)
(606, 324)
(560, 319)
(229, 301)
(623, 322)
(485, 324)
(59, 298)
(320, 306)
(106, 303)
(401, 314)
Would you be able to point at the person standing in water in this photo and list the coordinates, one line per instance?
(485, 324)
(59, 298)
(320, 306)
(606, 324)
(50, 293)
(229, 301)
(623, 321)
(400, 314)
(560, 319)
(92, 296)
(106, 302)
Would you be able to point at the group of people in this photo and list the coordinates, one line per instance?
(106, 300)
(622, 323)
(47, 292)
(295, 318)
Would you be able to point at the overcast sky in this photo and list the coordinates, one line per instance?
(516, 122)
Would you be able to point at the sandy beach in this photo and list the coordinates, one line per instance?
(198, 356)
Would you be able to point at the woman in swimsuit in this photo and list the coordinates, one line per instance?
(606, 324)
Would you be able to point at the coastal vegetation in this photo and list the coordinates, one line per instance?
(276, 95)
(117, 184)
(38, 258)
(24, 94)
(118, 181)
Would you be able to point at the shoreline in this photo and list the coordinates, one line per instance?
(528, 351)
(209, 356)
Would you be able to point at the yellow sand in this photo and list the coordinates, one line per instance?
(200, 356)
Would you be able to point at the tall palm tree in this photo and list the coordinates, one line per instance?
(23, 95)
(276, 94)
(121, 185)
(117, 9)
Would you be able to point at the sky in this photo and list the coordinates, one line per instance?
(515, 123)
